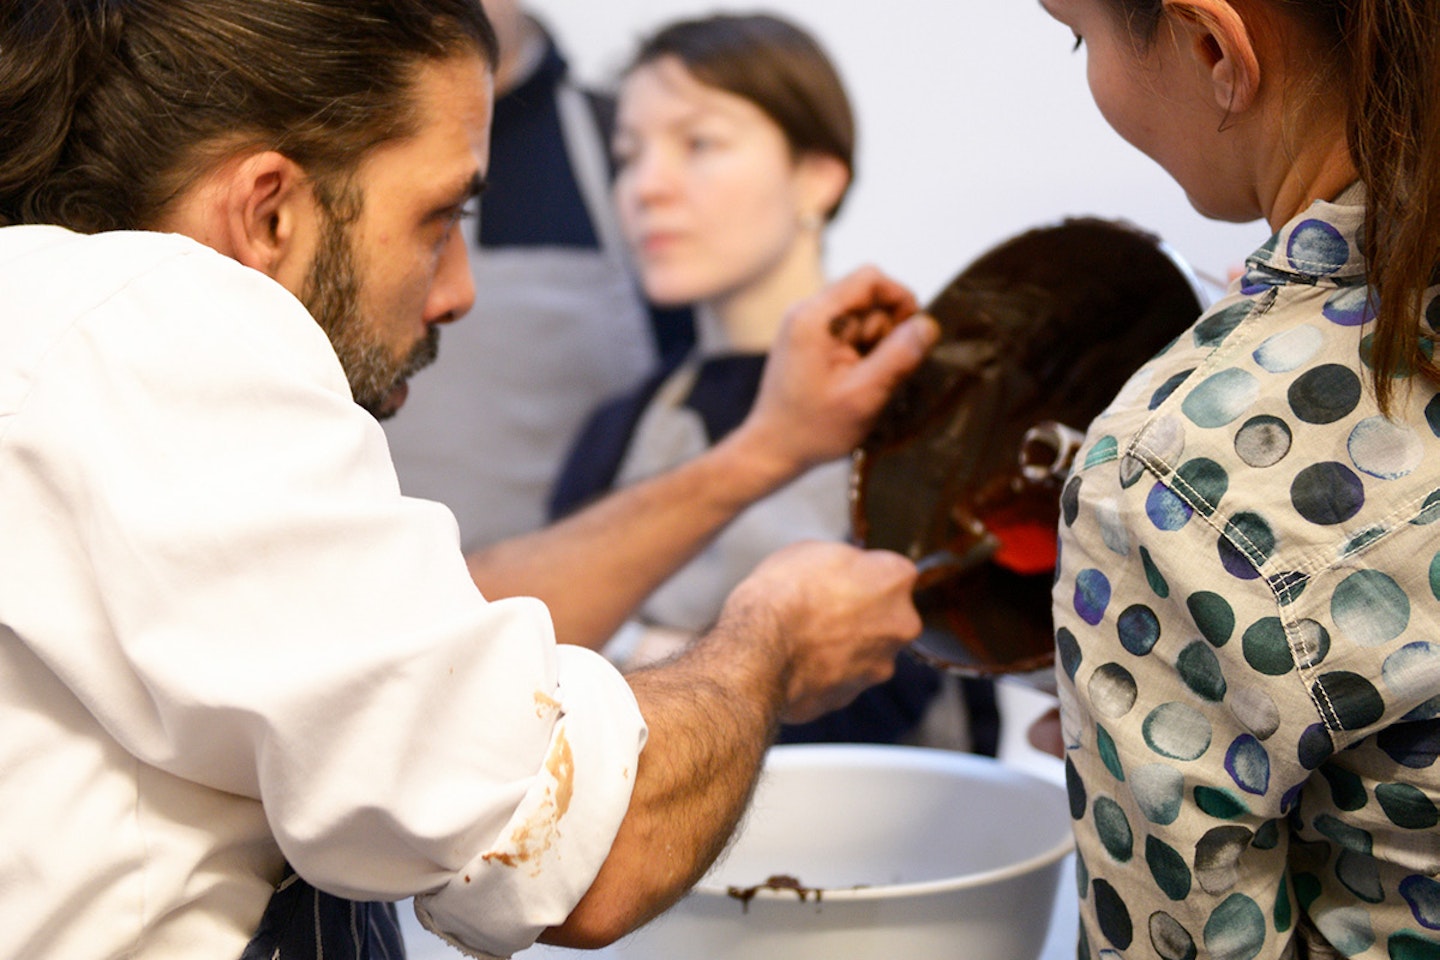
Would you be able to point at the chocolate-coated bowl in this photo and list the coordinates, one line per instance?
(864, 852)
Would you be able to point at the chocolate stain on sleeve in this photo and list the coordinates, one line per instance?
(538, 833)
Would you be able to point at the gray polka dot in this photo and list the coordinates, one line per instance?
(1177, 731)
(1263, 441)
(1384, 449)
(1111, 690)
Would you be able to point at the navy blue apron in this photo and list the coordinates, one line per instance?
(302, 923)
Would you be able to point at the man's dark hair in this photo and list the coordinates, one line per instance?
(110, 109)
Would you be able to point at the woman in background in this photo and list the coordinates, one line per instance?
(734, 146)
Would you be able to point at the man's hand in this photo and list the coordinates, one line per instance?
(834, 365)
(839, 614)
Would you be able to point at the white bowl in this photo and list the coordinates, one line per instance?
(899, 852)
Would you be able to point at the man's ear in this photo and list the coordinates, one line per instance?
(269, 215)
(1223, 44)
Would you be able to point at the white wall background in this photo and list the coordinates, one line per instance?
(975, 124)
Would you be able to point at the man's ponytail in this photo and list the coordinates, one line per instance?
(49, 52)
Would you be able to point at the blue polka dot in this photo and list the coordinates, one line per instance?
(1092, 595)
(1139, 629)
(1317, 247)
(1165, 508)
(1248, 765)
(1350, 307)
(1423, 896)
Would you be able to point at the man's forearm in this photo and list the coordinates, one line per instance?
(711, 716)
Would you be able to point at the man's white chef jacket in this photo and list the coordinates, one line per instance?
(227, 641)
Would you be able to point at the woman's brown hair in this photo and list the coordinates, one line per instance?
(775, 65)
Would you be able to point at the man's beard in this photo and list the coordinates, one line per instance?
(332, 294)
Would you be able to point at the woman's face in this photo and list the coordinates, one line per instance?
(710, 198)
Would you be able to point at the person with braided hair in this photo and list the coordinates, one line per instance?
(251, 693)
(1247, 605)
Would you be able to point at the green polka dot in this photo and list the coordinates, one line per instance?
(1307, 890)
(1268, 836)
(1221, 398)
(1113, 828)
(1213, 616)
(1113, 917)
(1370, 608)
(1153, 576)
(1435, 576)
(1349, 837)
(1283, 914)
(1406, 806)
(1110, 756)
(1075, 789)
(1220, 804)
(1212, 330)
(1266, 647)
(1360, 875)
(1410, 945)
(1200, 669)
(1430, 510)
(1169, 869)
(1104, 450)
(1170, 940)
(1347, 791)
(1177, 731)
(1351, 699)
(1159, 791)
(1236, 930)
(1206, 482)
(1246, 545)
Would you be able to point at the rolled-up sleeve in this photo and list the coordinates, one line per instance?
(550, 850)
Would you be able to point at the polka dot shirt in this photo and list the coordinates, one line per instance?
(1247, 613)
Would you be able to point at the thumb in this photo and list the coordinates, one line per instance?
(896, 356)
